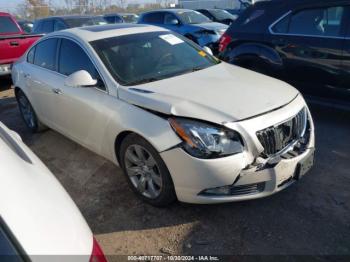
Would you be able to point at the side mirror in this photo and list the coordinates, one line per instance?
(207, 50)
(80, 79)
(173, 22)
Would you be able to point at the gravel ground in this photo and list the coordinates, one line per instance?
(309, 218)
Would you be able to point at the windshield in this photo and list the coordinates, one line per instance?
(130, 18)
(85, 21)
(147, 57)
(221, 14)
(192, 17)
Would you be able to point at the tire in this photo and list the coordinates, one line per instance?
(28, 114)
(146, 172)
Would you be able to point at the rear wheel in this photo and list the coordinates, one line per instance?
(27, 112)
(146, 172)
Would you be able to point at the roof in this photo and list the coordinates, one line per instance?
(67, 16)
(118, 14)
(172, 10)
(96, 32)
(5, 14)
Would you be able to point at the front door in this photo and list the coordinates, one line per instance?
(80, 110)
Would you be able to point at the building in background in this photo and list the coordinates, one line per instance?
(224, 4)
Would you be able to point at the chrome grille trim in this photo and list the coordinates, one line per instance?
(277, 139)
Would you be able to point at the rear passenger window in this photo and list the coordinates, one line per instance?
(154, 18)
(118, 19)
(73, 58)
(30, 56)
(59, 25)
(47, 26)
(45, 54)
(282, 26)
(317, 22)
(110, 19)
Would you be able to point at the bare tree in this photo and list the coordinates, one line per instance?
(39, 8)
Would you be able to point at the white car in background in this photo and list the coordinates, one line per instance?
(38, 219)
(178, 121)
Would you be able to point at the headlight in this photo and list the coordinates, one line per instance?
(204, 140)
(221, 31)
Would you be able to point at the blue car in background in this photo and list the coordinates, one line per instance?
(192, 24)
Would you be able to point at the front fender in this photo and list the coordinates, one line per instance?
(130, 118)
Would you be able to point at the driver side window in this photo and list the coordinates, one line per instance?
(73, 58)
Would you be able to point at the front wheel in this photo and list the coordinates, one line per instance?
(146, 172)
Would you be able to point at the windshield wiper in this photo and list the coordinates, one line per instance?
(194, 69)
(143, 81)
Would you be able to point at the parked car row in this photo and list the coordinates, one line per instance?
(14, 42)
(305, 43)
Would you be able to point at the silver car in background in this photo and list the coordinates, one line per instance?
(179, 122)
(38, 219)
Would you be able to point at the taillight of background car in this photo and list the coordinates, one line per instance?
(97, 253)
(224, 41)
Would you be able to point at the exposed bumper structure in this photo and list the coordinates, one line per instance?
(243, 176)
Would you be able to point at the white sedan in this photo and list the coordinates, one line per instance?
(179, 122)
(38, 219)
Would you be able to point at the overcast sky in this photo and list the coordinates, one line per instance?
(8, 5)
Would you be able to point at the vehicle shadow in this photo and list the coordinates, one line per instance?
(5, 83)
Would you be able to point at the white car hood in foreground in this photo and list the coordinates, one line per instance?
(35, 207)
(221, 93)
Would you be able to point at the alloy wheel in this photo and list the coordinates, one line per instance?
(143, 171)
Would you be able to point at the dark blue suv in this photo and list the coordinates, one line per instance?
(189, 23)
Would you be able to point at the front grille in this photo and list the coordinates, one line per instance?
(276, 138)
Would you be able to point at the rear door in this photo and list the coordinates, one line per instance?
(310, 43)
(42, 79)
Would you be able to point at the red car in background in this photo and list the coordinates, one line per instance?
(13, 42)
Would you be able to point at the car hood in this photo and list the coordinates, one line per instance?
(211, 26)
(219, 94)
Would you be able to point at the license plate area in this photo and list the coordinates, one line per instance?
(304, 166)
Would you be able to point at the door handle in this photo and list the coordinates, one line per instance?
(26, 75)
(14, 43)
(57, 91)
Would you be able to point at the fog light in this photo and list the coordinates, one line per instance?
(234, 190)
(225, 190)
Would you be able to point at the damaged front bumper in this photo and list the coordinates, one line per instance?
(244, 176)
